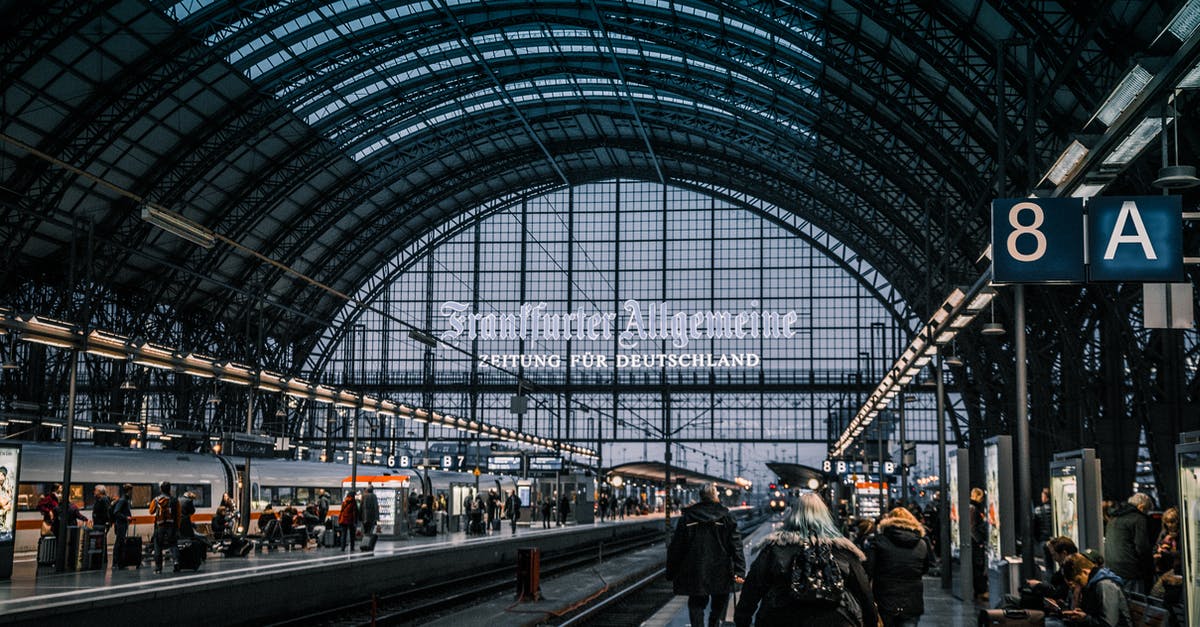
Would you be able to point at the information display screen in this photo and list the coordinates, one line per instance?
(10, 461)
(1189, 495)
(1064, 501)
(991, 482)
(952, 480)
(504, 463)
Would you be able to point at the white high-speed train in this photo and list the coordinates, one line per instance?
(209, 477)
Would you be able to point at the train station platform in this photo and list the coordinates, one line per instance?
(277, 584)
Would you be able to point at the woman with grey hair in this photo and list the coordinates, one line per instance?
(705, 558)
(780, 598)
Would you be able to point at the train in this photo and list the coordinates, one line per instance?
(209, 476)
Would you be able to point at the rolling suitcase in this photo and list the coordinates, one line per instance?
(47, 547)
(129, 552)
(1012, 618)
(329, 537)
(191, 554)
(368, 542)
(238, 547)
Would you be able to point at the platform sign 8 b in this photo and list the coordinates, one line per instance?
(1037, 240)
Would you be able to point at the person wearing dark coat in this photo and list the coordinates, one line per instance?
(897, 558)
(121, 515)
(1102, 603)
(979, 535)
(767, 588)
(1128, 547)
(370, 511)
(705, 557)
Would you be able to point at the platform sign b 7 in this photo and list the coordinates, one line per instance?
(1037, 240)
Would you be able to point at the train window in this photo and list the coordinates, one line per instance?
(283, 496)
(142, 495)
(202, 491)
(28, 495)
(303, 495)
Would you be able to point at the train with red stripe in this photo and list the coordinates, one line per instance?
(208, 476)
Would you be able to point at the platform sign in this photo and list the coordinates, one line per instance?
(10, 469)
(1138, 239)
(540, 465)
(504, 463)
(1037, 240)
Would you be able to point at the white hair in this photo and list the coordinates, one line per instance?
(709, 493)
(1141, 501)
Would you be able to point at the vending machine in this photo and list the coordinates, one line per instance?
(1188, 458)
(10, 470)
(1075, 498)
(958, 470)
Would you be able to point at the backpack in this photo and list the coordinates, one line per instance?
(814, 576)
(165, 510)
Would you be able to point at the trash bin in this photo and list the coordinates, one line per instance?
(529, 563)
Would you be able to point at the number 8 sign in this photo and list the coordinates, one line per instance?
(1037, 240)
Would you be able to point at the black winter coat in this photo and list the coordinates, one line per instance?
(706, 551)
(767, 588)
(1128, 550)
(896, 560)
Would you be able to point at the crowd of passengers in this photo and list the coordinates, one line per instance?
(820, 569)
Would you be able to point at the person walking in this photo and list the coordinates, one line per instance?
(897, 558)
(348, 521)
(121, 514)
(705, 558)
(1128, 547)
(165, 510)
(370, 511)
(809, 541)
(547, 510)
(512, 508)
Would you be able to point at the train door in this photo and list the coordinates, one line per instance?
(459, 493)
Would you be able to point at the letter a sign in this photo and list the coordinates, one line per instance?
(1135, 239)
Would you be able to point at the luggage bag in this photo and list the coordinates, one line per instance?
(1012, 618)
(46, 550)
(129, 552)
(191, 554)
(368, 541)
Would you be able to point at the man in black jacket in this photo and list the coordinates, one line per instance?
(1128, 547)
(705, 557)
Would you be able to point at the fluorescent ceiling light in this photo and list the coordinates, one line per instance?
(961, 321)
(946, 336)
(1185, 21)
(105, 352)
(1125, 93)
(1191, 80)
(1088, 190)
(179, 226)
(956, 296)
(982, 299)
(1067, 163)
(1132, 146)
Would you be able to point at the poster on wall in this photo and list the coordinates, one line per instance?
(991, 476)
(10, 460)
(1189, 495)
(952, 480)
(1063, 487)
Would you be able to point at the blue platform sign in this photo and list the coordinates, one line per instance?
(1136, 239)
(1037, 240)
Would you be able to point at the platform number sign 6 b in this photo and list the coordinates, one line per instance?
(1037, 240)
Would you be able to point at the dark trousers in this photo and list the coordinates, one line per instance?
(121, 531)
(716, 613)
(166, 537)
(347, 536)
(514, 523)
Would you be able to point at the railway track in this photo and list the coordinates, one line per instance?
(411, 605)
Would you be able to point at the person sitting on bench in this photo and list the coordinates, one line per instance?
(268, 526)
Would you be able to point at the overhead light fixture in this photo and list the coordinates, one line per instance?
(128, 385)
(1088, 190)
(1123, 95)
(1185, 21)
(179, 226)
(9, 364)
(952, 358)
(213, 399)
(1067, 163)
(1135, 142)
(1174, 176)
(992, 328)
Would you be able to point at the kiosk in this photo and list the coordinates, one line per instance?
(1188, 459)
(958, 470)
(1075, 498)
(1003, 572)
(10, 469)
(392, 493)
